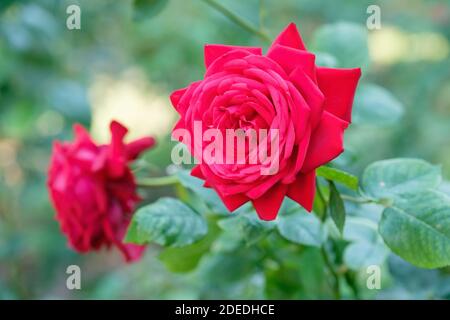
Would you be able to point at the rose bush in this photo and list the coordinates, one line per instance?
(93, 189)
(365, 217)
(309, 106)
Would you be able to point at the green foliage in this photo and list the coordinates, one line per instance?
(417, 228)
(416, 222)
(366, 246)
(48, 77)
(296, 275)
(347, 42)
(375, 105)
(145, 9)
(168, 222)
(205, 194)
(338, 176)
(302, 227)
(248, 226)
(388, 178)
(337, 208)
(185, 259)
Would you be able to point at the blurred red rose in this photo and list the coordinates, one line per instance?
(310, 107)
(93, 190)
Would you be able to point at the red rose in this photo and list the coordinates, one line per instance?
(93, 189)
(310, 107)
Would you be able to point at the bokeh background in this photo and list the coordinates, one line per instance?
(123, 64)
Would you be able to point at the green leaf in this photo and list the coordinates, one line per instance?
(145, 9)
(186, 258)
(220, 270)
(388, 178)
(319, 206)
(363, 254)
(248, 226)
(228, 242)
(302, 227)
(359, 229)
(417, 228)
(345, 41)
(296, 275)
(168, 222)
(207, 194)
(336, 207)
(366, 246)
(288, 206)
(5, 4)
(375, 105)
(339, 176)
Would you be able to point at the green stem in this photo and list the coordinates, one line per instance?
(321, 196)
(261, 15)
(350, 278)
(320, 193)
(356, 200)
(382, 202)
(238, 20)
(329, 265)
(158, 181)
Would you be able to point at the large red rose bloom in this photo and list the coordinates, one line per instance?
(94, 191)
(310, 106)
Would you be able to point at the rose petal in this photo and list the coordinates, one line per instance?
(176, 96)
(267, 205)
(289, 37)
(197, 172)
(338, 86)
(135, 148)
(131, 252)
(300, 113)
(326, 142)
(183, 100)
(289, 59)
(310, 92)
(81, 136)
(234, 201)
(302, 148)
(214, 51)
(303, 189)
(116, 155)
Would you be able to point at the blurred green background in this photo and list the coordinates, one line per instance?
(123, 64)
